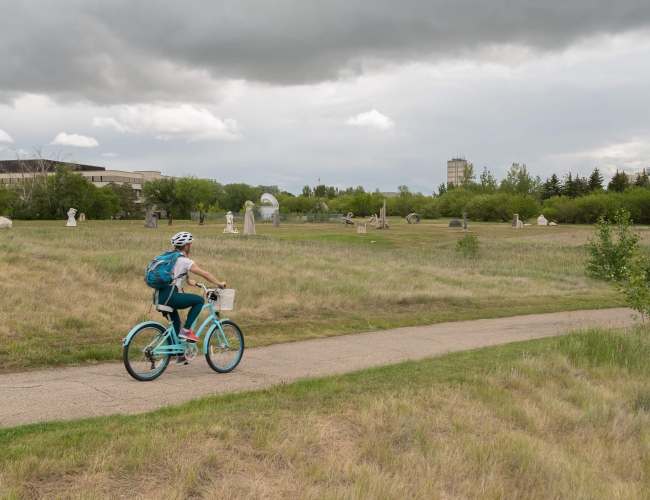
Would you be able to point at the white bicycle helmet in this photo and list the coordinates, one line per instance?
(181, 239)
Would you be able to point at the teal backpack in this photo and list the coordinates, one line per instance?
(159, 272)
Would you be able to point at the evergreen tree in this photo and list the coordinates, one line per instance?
(619, 183)
(642, 179)
(582, 185)
(595, 180)
(571, 187)
(552, 187)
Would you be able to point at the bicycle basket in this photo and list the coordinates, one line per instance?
(225, 299)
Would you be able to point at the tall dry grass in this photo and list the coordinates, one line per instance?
(70, 294)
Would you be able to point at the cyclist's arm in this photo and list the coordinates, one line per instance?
(204, 274)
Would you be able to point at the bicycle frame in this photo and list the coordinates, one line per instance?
(178, 346)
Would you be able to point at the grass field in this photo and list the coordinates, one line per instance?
(70, 294)
(566, 417)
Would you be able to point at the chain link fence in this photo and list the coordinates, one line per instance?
(239, 216)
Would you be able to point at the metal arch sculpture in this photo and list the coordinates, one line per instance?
(269, 198)
(413, 218)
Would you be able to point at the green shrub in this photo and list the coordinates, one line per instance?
(467, 245)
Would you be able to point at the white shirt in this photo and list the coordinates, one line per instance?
(180, 271)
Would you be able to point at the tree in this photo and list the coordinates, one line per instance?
(31, 192)
(619, 182)
(552, 187)
(128, 200)
(571, 187)
(642, 179)
(161, 193)
(442, 189)
(190, 191)
(306, 191)
(616, 256)
(519, 181)
(320, 191)
(595, 181)
(488, 183)
(239, 193)
(468, 179)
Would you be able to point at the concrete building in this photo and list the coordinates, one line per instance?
(455, 170)
(12, 171)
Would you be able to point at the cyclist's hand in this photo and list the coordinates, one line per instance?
(223, 285)
(191, 282)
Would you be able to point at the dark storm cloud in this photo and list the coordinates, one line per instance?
(126, 51)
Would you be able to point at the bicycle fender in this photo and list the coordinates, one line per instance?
(205, 344)
(126, 339)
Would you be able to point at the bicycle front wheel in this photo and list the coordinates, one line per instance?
(139, 359)
(224, 351)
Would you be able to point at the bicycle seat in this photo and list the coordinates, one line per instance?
(162, 308)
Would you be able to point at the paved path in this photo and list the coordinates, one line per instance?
(68, 393)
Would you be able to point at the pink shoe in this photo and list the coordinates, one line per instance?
(188, 335)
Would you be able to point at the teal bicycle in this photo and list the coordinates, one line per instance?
(149, 346)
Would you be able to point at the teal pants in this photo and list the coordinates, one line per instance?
(181, 301)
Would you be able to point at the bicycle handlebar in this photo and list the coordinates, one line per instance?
(207, 290)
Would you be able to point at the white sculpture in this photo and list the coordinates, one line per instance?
(5, 223)
(266, 211)
(82, 217)
(541, 221)
(71, 221)
(249, 220)
(229, 228)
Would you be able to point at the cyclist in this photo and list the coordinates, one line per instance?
(172, 295)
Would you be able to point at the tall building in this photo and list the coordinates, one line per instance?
(455, 170)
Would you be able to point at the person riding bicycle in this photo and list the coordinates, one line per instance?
(172, 295)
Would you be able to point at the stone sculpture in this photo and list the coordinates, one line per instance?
(82, 217)
(464, 221)
(361, 228)
(515, 221)
(276, 218)
(552, 224)
(71, 222)
(413, 218)
(249, 219)
(267, 211)
(229, 228)
(373, 220)
(5, 223)
(455, 223)
(150, 220)
(347, 220)
(541, 221)
(381, 221)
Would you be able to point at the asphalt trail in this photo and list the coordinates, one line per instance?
(77, 392)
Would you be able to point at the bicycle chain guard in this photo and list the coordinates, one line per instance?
(191, 351)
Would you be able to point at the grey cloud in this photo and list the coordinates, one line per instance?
(145, 51)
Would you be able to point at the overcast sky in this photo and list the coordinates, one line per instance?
(377, 93)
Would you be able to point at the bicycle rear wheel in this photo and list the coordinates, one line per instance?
(139, 359)
(224, 354)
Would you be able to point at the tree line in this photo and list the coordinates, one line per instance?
(49, 190)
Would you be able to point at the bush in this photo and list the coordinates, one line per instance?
(524, 205)
(451, 203)
(467, 245)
